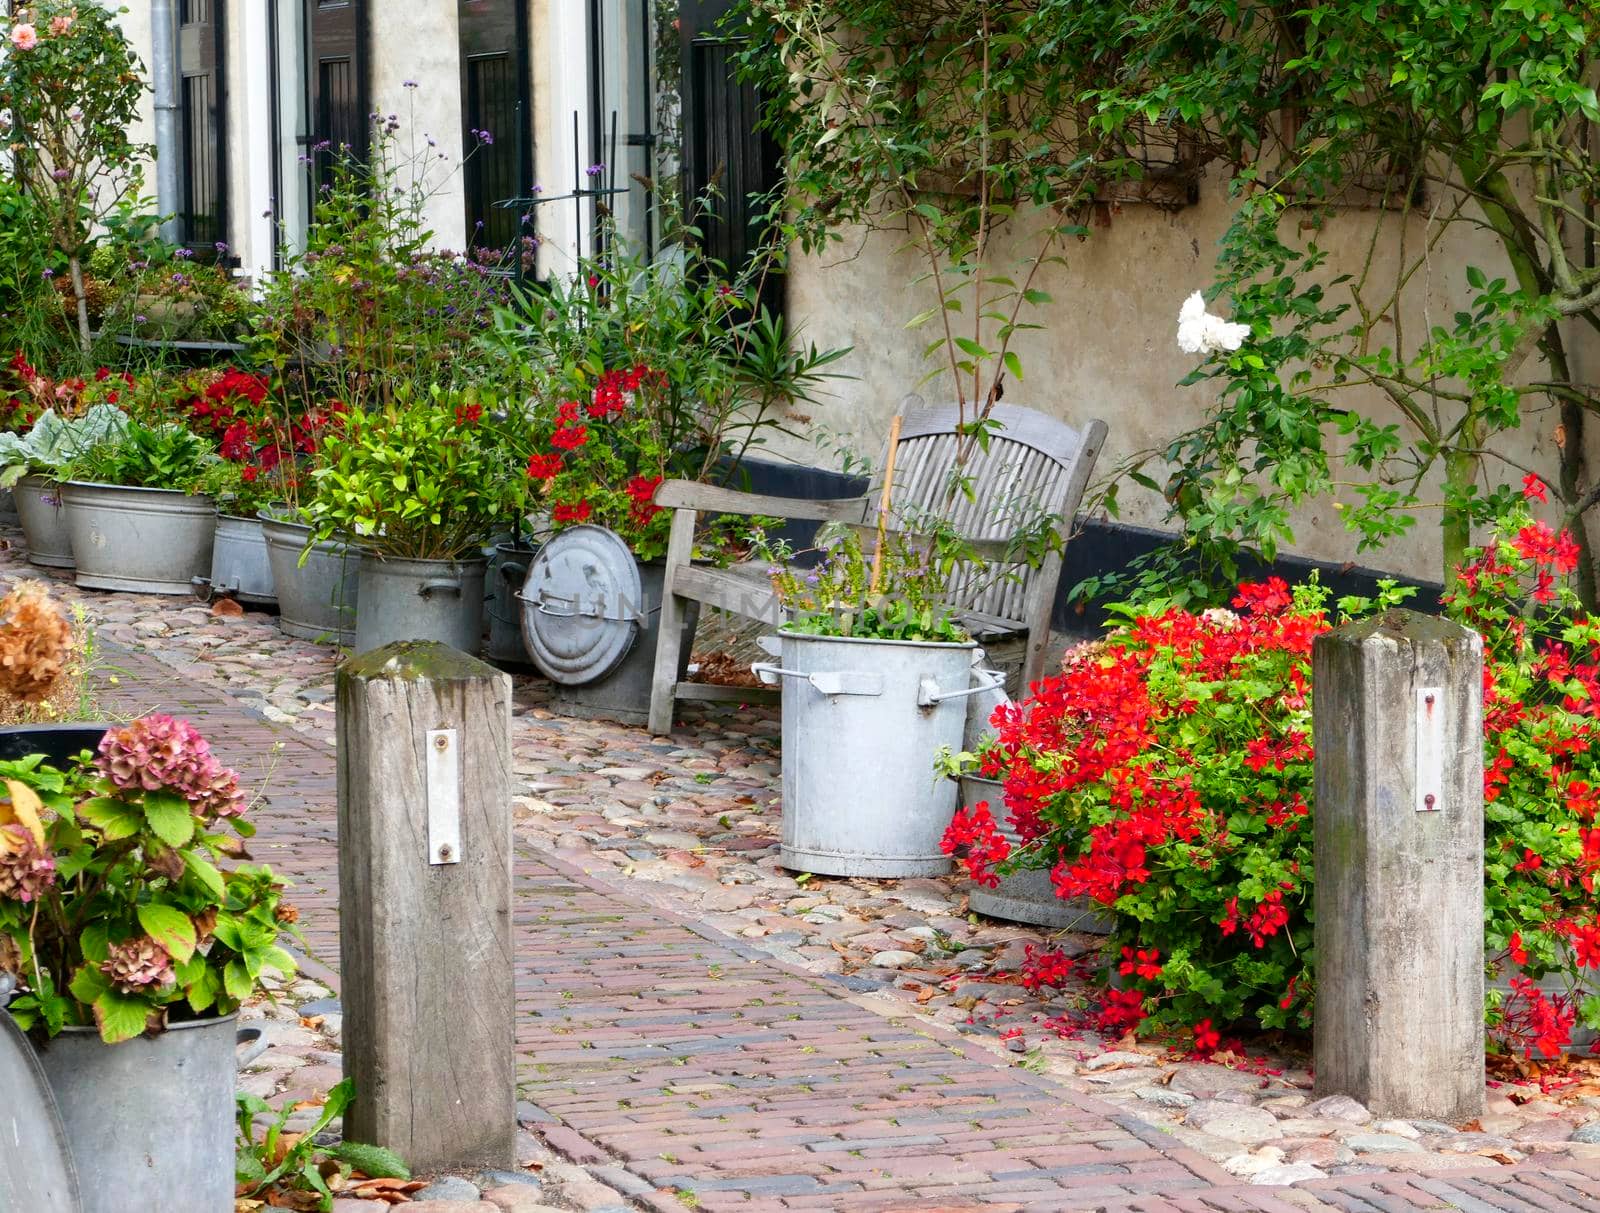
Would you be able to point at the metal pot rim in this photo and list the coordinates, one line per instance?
(785, 634)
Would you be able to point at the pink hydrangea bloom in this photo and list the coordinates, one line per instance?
(137, 965)
(24, 37)
(26, 868)
(158, 753)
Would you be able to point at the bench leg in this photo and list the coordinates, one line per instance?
(669, 633)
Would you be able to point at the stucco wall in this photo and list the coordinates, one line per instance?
(1108, 345)
(424, 46)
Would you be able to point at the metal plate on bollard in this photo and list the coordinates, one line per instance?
(444, 797)
(1430, 749)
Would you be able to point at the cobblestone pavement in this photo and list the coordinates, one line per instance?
(699, 1029)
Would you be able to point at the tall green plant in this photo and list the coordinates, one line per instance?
(70, 87)
(1454, 120)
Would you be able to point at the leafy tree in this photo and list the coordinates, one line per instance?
(1445, 117)
(70, 87)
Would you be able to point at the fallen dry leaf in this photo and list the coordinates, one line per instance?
(226, 608)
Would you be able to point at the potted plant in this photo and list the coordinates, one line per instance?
(135, 515)
(133, 948)
(32, 465)
(162, 293)
(420, 484)
(1010, 882)
(261, 444)
(875, 672)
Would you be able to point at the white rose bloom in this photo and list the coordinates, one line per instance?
(1199, 332)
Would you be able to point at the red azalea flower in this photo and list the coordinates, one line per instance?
(544, 467)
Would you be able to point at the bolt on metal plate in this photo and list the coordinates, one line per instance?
(444, 797)
(1430, 750)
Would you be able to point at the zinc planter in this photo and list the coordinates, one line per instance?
(316, 599)
(591, 613)
(508, 569)
(240, 568)
(150, 1120)
(438, 600)
(59, 743)
(44, 522)
(147, 541)
(1026, 896)
(862, 722)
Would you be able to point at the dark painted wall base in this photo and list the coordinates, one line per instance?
(1101, 547)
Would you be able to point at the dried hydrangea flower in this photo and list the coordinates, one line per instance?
(10, 956)
(138, 965)
(27, 869)
(158, 752)
(35, 643)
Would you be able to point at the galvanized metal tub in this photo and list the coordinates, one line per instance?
(438, 600)
(862, 721)
(8, 509)
(508, 570)
(150, 1120)
(1026, 896)
(591, 613)
(316, 598)
(147, 541)
(240, 567)
(44, 522)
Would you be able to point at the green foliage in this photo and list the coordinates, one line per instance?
(425, 478)
(52, 444)
(70, 90)
(295, 1162)
(114, 907)
(365, 306)
(903, 598)
(160, 456)
(1451, 117)
(726, 373)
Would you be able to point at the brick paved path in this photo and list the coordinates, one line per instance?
(672, 1059)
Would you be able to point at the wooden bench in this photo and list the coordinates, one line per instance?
(1034, 463)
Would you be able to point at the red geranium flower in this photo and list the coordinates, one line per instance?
(544, 467)
(572, 513)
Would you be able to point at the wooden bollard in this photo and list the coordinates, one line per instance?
(1399, 866)
(425, 905)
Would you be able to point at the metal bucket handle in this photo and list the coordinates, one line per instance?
(929, 695)
(250, 1044)
(511, 571)
(826, 682)
(540, 603)
(440, 585)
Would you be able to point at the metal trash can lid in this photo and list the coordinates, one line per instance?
(39, 1176)
(582, 605)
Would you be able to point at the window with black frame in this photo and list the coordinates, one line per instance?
(496, 109)
(202, 100)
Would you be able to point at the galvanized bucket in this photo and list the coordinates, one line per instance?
(150, 1120)
(438, 600)
(8, 509)
(862, 721)
(591, 613)
(1026, 896)
(508, 570)
(147, 541)
(317, 598)
(240, 568)
(44, 522)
